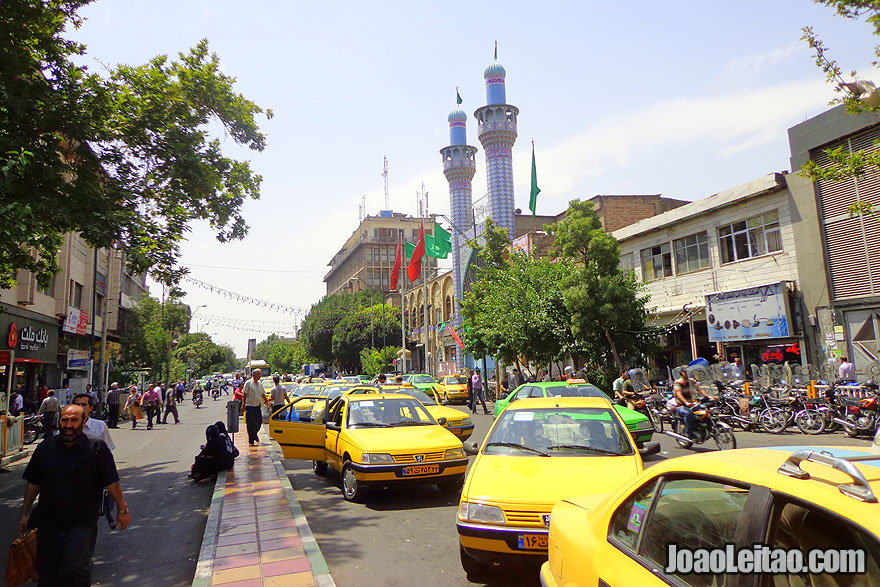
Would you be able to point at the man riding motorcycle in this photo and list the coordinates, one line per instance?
(684, 399)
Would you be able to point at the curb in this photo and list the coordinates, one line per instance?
(7, 460)
(205, 566)
(320, 570)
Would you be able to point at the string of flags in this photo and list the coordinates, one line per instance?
(297, 311)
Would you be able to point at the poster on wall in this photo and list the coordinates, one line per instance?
(754, 313)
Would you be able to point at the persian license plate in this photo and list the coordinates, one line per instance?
(532, 541)
(421, 470)
(456, 430)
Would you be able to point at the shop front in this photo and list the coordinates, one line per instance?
(755, 324)
(33, 338)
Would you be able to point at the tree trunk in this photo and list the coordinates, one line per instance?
(613, 349)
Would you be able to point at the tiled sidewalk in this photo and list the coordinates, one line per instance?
(259, 536)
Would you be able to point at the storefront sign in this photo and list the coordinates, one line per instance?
(749, 314)
(33, 336)
(12, 339)
(32, 339)
(100, 283)
(76, 321)
(77, 359)
(780, 353)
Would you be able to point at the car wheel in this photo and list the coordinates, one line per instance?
(319, 467)
(476, 571)
(445, 398)
(352, 490)
(451, 484)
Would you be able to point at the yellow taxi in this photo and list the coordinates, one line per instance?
(788, 499)
(453, 388)
(538, 451)
(311, 394)
(374, 440)
(453, 420)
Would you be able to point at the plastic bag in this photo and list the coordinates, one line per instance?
(21, 566)
(264, 410)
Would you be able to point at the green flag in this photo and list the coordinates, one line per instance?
(435, 246)
(457, 97)
(533, 197)
(442, 239)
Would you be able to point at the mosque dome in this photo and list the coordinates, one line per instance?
(495, 69)
(457, 115)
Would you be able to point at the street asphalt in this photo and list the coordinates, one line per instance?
(169, 511)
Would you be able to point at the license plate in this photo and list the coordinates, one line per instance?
(532, 541)
(456, 430)
(421, 470)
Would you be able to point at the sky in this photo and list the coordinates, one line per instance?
(678, 98)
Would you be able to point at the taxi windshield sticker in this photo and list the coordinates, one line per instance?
(366, 403)
(636, 516)
(524, 416)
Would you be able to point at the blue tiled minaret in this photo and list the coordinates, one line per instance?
(459, 166)
(496, 129)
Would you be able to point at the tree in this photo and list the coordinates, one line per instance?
(125, 159)
(377, 361)
(607, 309)
(316, 330)
(352, 333)
(149, 342)
(207, 356)
(283, 355)
(516, 305)
(858, 95)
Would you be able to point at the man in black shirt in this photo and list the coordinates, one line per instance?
(69, 472)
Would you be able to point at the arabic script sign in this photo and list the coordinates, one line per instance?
(749, 314)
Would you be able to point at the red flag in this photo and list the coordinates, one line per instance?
(398, 262)
(455, 336)
(415, 262)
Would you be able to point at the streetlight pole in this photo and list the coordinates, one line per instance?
(372, 335)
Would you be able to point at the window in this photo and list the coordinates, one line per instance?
(627, 263)
(75, 294)
(384, 254)
(691, 253)
(656, 262)
(691, 513)
(755, 236)
(369, 254)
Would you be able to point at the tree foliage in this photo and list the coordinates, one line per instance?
(124, 158)
(375, 361)
(516, 305)
(607, 307)
(283, 355)
(207, 356)
(317, 328)
(352, 333)
(149, 343)
(857, 95)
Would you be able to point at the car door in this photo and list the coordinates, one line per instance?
(298, 439)
(688, 512)
(335, 415)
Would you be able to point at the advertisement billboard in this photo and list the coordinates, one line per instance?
(753, 313)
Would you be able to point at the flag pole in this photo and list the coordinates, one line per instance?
(402, 306)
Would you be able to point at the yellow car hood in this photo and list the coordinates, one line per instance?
(546, 480)
(451, 414)
(404, 439)
(454, 386)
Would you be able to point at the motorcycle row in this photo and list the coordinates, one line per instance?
(813, 409)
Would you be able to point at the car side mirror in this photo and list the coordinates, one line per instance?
(336, 427)
(441, 421)
(471, 448)
(649, 448)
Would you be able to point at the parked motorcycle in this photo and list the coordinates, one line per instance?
(33, 428)
(709, 422)
(863, 418)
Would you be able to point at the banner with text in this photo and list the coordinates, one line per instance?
(754, 313)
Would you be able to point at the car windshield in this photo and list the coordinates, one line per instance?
(332, 391)
(310, 389)
(558, 432)
(422, 379)
(580, 390)
(455, 380)
(388, 413)
(352, 379)
(418, 394)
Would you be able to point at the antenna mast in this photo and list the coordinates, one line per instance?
(385, 175)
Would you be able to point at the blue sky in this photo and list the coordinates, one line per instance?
(682, 99)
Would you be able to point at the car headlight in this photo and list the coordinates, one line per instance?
(453, 453)
(644, 425)
(475, 512)
(467, 422)
(376, 458)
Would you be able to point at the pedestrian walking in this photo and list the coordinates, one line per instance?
(133, 405)
(477, 385)
(70, 473)
(152, 402)
(179, 390)
(113, 406)
(49, 410)
(92, 427)
(16, 401)
(470, 387)
(170, 407)
(279, 395)
(254, 398)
